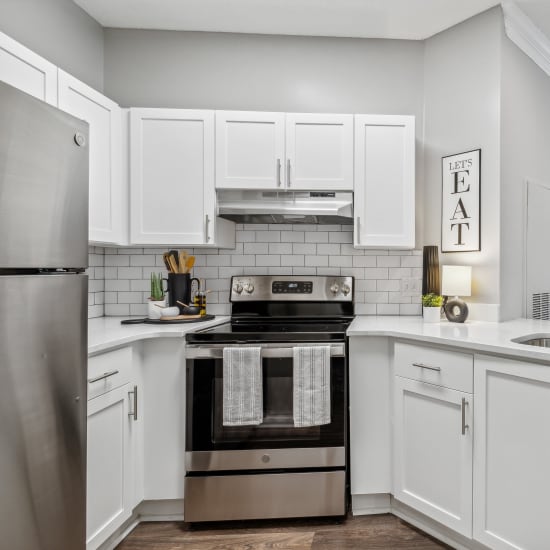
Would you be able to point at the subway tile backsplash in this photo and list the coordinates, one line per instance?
(119, 277)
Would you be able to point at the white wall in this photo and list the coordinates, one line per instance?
(525, 154)
(462, 112)
(61, 32)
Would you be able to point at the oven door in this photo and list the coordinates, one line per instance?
(206, 435)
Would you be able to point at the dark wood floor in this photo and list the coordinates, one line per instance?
(355, 533)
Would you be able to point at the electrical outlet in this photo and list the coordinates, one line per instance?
(410, 286)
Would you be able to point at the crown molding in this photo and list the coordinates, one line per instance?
(521, 30)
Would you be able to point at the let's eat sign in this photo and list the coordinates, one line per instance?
(460, 208)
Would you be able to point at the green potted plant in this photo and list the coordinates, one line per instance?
(431, 307)
(157, 299)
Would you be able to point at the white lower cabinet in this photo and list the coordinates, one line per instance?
(112, 430)
(512, 465)
(109, 465)
(433, 452)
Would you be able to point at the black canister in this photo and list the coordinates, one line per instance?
(179, 288)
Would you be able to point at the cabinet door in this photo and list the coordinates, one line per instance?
(250, 150)
(172, 176)
(106, 185)
(512, 441)
(23, 69)
(433, 452)
(319, 152)
(109, 468)
(384, 201)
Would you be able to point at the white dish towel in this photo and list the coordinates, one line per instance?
(242, 386)
(311, 374)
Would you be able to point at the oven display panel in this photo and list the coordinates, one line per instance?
(292, 287)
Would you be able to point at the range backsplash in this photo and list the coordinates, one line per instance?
(119, 277)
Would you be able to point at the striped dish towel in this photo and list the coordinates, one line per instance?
(311, 372)
(242, 386)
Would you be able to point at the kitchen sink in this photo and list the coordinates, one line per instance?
(539, 340)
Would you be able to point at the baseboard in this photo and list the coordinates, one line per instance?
(364, 505)
(434, 528)
(147, 510)
(120, 534)
(161, 510)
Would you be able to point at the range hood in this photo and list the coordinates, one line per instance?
(286, 207)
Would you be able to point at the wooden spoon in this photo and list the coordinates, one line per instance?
(189, 264)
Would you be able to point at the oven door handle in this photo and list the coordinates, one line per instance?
(279, 352)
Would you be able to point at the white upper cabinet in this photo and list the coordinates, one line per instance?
(319, 152)
(292, 151)
(250, 149)
(23, 69)
(172, 195)
(107, 188)
(512, 442)
(384, 202)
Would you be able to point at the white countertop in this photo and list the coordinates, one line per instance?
(106, 333)
(479, 336)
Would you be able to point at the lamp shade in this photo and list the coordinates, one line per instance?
(456, 280)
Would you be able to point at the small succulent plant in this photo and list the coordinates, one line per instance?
(432, 300)
(157, 294)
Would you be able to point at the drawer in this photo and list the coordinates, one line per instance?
(450, 369)
(108, 371)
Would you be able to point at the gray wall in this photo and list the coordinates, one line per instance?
(61, 32)
(262, 72)
(525, 143)
(462, 112)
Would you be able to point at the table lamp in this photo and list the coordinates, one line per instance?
(456, 280)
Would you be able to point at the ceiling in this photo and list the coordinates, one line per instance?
(405, 19)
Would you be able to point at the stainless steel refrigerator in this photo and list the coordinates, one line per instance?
(43, 325)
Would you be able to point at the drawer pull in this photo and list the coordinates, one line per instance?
(422, 366)
(102, 377)
(464, 425)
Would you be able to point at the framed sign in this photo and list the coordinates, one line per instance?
(460, 205)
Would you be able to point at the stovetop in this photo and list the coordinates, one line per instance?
(273, 331)
(286, 308)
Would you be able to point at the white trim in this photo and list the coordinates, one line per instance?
(365, 505)
(521, 30)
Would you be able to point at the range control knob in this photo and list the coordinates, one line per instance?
(334, 288)
(346, 289)
(249, 287)
(238, 288)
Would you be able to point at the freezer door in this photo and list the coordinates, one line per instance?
(43, 363)
(43, 184)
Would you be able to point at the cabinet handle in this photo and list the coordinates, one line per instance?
(206, 224)
(422, 366)
(464, 425)
(102, 377)
(278, 172)
(288, 172)
(358, 229)
(134, 414)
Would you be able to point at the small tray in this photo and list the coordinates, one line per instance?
(170, 321)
